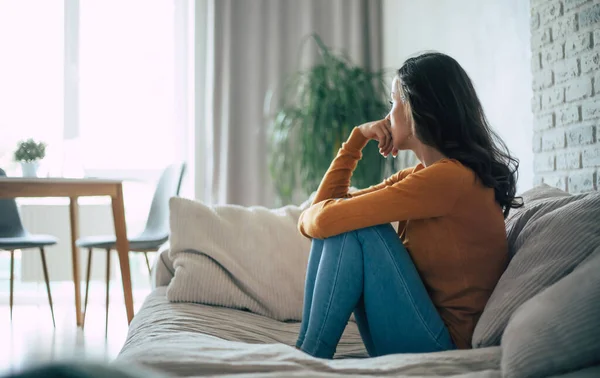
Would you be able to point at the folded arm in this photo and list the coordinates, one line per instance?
(336, 182)
(428, 193)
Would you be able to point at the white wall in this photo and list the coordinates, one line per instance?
(490, 39)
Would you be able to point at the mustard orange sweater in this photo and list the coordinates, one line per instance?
(449, 222)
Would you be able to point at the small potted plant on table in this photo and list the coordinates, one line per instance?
(29, 153)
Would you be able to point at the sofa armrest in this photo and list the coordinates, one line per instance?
(162, 271)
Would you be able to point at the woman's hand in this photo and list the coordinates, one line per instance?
(381, 131)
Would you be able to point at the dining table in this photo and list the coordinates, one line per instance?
(73, 188)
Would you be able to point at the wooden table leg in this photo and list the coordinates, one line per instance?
(74, 217)
(123, 249)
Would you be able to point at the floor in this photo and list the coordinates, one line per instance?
(30, 338)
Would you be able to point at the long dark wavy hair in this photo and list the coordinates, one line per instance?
(448, 116)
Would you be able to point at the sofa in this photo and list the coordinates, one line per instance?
(542, 320)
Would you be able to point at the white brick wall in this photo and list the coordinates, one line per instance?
(553, 96)
(567, 115)
(553, 139)
(563, 27)
(565, 43)
(543, 79)
(579, 135)
(591, 109)
(568, 160)
(566, 69)
(590, 61)
(578, 88)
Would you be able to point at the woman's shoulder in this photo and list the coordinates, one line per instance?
(445, 173)
(445, 166)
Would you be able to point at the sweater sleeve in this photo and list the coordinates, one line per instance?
(400, 175)
(336, 182)
(428, 193)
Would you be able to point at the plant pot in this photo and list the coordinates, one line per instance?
(29, 169)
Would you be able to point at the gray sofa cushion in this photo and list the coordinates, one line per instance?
(543, 192)
(558, 330)
(533, 200)
(547, 240)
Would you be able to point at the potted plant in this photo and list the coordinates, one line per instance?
(317, 111)
(29, 153)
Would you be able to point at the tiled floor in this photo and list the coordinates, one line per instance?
(30, 338)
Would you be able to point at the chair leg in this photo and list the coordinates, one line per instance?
(148, 263)
(12, 279)
(45, 267)
(87, 285)
(107, 289)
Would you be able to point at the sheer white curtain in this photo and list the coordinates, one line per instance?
(245, 49)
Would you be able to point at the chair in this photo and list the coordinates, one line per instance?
(14, 236)
(152, 237)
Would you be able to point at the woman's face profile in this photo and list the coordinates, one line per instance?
(400, 118)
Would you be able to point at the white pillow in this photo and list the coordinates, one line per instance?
(249, 258)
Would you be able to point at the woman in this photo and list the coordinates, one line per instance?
(423, 288)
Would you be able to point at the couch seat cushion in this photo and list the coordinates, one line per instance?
(192, 339)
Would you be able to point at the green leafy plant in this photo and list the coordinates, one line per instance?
(29, 151)
(318, 110)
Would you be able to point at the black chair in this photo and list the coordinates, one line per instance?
(152, 237)
(14, 236)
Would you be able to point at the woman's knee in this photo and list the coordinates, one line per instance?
(342, 238)
(346, 242)
(317, 244)
(385, 230)
(379, 239)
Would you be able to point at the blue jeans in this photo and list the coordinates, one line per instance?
(370, 273)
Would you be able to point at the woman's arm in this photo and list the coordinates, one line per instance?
(400, 175)
(336, 182)
(428, 193)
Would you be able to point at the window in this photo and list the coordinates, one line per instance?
(98, 80)
(126, 86)
(31, 74)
